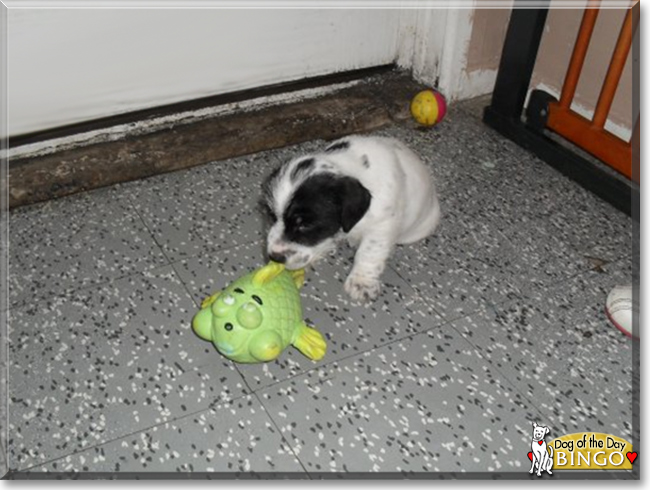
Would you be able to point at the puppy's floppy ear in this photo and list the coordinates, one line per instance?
(534, 424)
(547, 430)
(355, 201)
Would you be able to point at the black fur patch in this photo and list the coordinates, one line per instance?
(302, 167)
(355, 202)
(338, 146)
(322, 205)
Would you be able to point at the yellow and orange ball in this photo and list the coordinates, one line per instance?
(428, 107)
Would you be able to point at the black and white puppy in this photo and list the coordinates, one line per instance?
(375, 192)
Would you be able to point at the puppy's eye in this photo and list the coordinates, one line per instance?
(301, 225)
(303, 228)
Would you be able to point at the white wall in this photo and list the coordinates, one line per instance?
(71, 65)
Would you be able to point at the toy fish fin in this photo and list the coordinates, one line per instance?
(310, 342)
(267, 273)
(298, 277)
(209, 300)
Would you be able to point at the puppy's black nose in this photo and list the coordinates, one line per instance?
(277, 258)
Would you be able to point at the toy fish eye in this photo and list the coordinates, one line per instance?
(228, 326)
(239, 290)
(257, 299)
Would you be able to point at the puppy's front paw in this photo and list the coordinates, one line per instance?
(362, 288)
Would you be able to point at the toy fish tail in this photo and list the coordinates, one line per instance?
(310, 342)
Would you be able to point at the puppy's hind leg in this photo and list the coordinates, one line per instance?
(363, 283)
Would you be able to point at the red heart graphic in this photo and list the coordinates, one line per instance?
(530, 455)
(631, 456)
(540, 442)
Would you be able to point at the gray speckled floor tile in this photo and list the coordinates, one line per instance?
(464, 267)
(75, 242)
(560, 350)
(3, 420)
(424, 404)
(237, 437)
(3, 463)
(348, 327)
(106, 362)
(45, 426)
(211, 271)
(110, 376)
(554, 229)
(205, 208)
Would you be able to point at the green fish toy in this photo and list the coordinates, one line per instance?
(258, 316)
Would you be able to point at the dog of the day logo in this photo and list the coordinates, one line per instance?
(579, 451)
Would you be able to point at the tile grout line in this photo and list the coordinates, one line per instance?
(367, 351)
(268, 414)
(496, 368)
(490, 306)
(215, 403)
(146, 226)
(328, 366)
(151, 268)
(148, 267)
(347, 357)
(251, 392)
(427, 301)
(444, 322)
(417, 292)
(493, 307)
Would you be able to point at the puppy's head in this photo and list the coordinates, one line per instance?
(310, 208)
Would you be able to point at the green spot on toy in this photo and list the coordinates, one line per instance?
(258, 316)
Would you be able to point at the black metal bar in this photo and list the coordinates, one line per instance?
(504, 114)
(615, 191)
(518, 59)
